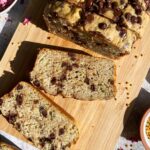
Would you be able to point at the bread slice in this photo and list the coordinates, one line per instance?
(74, 75)
(4, 146)
(38, 119)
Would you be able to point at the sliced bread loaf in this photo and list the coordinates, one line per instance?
(74, 75)
(38, 119)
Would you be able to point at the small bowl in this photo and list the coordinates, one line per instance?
(9, 7)
(144, 138)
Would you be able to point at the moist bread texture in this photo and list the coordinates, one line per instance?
(40, 120)
(74, 75)
(106, 27)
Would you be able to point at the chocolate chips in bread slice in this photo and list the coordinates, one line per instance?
(38, 118)
(74, 75)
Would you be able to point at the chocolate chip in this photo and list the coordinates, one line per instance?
(61, 131)
(11, 117)
(64, 64)
(114, 5)
(137, 6)
(147, 2)
(36, 83)
(53, 147)
(36, 101)
(75, 65)
(30, 139)
(93, 87)
(111, 81)
(139, 20)
(69, 67)
(53, 80)
(63, 77)
(89, 3)
(18, 126)
(123, 33)
(89, 18)
(138, 11)
(72, 56)
(68, 145)
(102, 26)
(122, 1)
(108, 5)
(117, 12)
(19, 87)
(134, 19)
(42, 141)
(19, 99)
(121, 22)
(87, 81)
(128, 16)
(118, 28)
(1, 101)
(43, 111)
(51, 137)
(101, 4)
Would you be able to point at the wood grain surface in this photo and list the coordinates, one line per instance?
(100, 122)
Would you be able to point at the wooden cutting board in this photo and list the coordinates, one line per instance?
(100, 122)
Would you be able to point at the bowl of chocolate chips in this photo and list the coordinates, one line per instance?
(6, 5)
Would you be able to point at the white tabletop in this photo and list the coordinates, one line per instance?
(129, 140)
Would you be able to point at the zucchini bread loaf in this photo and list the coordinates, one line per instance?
(104, 26)
(74, 75)
(38, 119)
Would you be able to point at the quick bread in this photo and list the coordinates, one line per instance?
(41, 121)
(74, 75)
(106, 27)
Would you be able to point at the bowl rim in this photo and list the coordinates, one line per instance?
(144, 118)
(8, 8)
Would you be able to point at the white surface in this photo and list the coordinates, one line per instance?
(7, 29)
(20, 144)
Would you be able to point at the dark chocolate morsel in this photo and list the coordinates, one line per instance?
(114, 5)
(89, 18)
(53, 80)
(102, 26)
(128, 16)
(36, 83)
(61, 131)
(134, 19)
(19, 87)
(87, 81)
(11, 117)
(43, 111)
(139, 20)
(93, 87)
(19, 99)
(123, 33)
